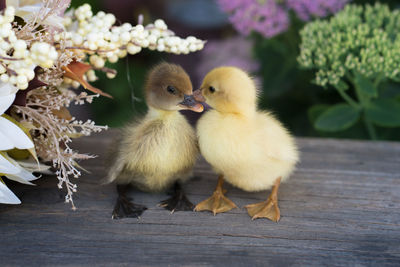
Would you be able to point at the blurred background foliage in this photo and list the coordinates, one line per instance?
(287, 90)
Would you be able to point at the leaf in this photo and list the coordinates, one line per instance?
(365, 85)
(75, 71)
(316, 110)
(20, 21)
(337, 118)
(74, 135)
(384, 112)
(18, 153)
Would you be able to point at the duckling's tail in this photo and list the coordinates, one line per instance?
(113, 172)
(113, 164)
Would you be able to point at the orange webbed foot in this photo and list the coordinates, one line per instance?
(217, 203)
(267, 209)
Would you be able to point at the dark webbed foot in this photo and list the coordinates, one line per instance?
(124, 208)
(178, 201)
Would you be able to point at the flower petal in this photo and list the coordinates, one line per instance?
(33, 166)
(5, 143)
(20, 178)
(23, 176)
(13, 3)
(7, 89)
(7, 167)
(18, 138)
(32, 8)
(5, 102)
(7, 196)
(55, 21)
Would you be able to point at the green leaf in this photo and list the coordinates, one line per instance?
(384, 112)
(365, 85)
(316, 110)
(337, 118)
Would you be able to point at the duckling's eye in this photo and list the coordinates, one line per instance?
(212, 89)
(171, 89)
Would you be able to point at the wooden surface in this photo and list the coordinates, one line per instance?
(340, 208)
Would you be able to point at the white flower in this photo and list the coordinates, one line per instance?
(11, 136)
(14, 171)
(28, 9)
(6, 195)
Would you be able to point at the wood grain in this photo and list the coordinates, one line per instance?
(340, 208)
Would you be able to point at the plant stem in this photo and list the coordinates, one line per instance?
(364, 101)
(378, 80)
(348, 99)
(370, 128)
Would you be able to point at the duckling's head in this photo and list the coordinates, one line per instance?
(229, 90)
(168, 87)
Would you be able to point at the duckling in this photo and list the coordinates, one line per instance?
(160, 149)
(248, 148)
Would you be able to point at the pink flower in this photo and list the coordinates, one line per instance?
(308, 9)
(270, 17)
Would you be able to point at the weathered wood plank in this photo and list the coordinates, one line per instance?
(341, 207)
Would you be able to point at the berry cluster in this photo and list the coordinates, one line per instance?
(95, 37)
(19, 57)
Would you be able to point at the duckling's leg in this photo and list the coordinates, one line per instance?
(178, 201)
(124, 208)
(217, 202)
(269, 208)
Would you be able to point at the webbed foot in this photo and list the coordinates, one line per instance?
(217, 203)
(267, 209)
(124, 208)
(178, 201)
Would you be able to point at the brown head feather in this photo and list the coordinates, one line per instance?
(166, 86)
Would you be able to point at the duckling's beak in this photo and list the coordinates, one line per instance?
(189, 102)
(198, 96)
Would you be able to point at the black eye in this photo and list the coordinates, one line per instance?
(212, 89)
(171, 89)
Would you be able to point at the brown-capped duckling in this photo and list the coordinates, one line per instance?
(160, 149)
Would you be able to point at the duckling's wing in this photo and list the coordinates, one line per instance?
(277, 141)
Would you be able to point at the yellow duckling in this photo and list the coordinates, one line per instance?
(248, 148)
(161, 148)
